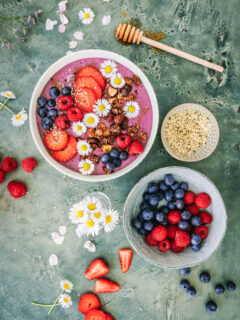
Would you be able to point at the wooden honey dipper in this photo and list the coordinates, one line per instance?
(128, 33)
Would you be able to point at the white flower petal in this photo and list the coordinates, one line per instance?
(90, 246)
(62, 5)
(69, 52)
(63, 18)
(49, 25)
(53, 260)
(78, 35)
(79, 231)
(106, 20)
(62, 230)
(72, 44)
(57, 238)
(62, 28)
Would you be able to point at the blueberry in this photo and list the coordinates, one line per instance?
(142, 231)
(146, 196)
(179, 204)
(186, 271)
(195, 239)
(160, 195)
(123, 155)
(47, 123)
(231, 286)
(175, 186)
(153, 200)
(196, 247)
(163, 186)
(114, 153)
(164, 209)
(204, 277)
(164, 222)
(168, 179)
(184, 186)
(110, 165)
(186, 215)
(144, 205)
(105, 158)
(168, 195)
(147, 214)
(179, 193)
(53, 113)
(139, 216)
(191, 292)
(211, 307)
(117, 162)
(54, 92)
(160, 216)
(136, 223)
(171, 205)
(66, 91)
(152, 187)
(148, 225)
(219, 289)
(183, 225)
(42, 101)
(42, 112)
(184, 284)
(196, 221)
(51, 103)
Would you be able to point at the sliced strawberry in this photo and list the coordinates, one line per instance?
(104, 285)
(92, 72)
(56, 139)
(85, 99)
(108, 316)
(88, 302)
(68, 152)
(96, 269)
(95, 314)
(125, 256)
(74, 114)
(90, 83)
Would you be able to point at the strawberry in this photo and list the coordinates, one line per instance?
(150, 241)
(206, 217)
(175, 248)
(1, 175)
(189, 197)
(123, 141)
(125, 256)
(202, 231)
(174, 216)
(90, 83)
(182, 239)
(135, 148)
(96, 269)
(171, 231)
(88, 302)
(28, 164)
(64, 102)
(108, 316)
(159, 233)
(17, 189)
(192, 209)
(68, 152)
(85, 99)
(56, 140)
(74, 114)
(202, 200)
(62, 122)
(95, 314)
(104, 285)
(9, 164)
(164, 245)
(92, 72)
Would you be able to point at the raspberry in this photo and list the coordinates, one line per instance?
(171, 231)
(135, 148)
(28, 164)
(202, 200)
(189, 197)
(159, 233)
(206, 217)
(202, 231)
(182, 239)
(74, 114)
(150, 241)
(9, 164)
(164, 245)
(64, 102)
(62, 122)
(17, 189)
(1, 175)
(175, 248)
(174, 216)
(192, 209)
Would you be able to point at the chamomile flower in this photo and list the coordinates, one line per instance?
(102, 107)
(8, 94)
(108, 68)
(78, 128)
(19, 118)
(91, 120)
(86, 167)
(65, 300)
(117, 80)
(98, 215)
(111, 220)
(78, 212)
(66, 285)
(92, 204)
(89, 228)
(131, 109)
(83, 147)
(86, 16)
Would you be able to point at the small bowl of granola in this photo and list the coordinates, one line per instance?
(190, 132)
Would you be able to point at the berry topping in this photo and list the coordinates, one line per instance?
(123, 141)
(192, 209)
(94, 73)
(174, 216)
(169, 180)
(47, 123)
(196, 221)
(147, 214)
(206, 217)
(182, 239)
(1, 175)
(168, 196)
(164, 245)
(189, 197)
(195, 239)
(202, 231)
(179, 193)
(186, 215)
(150, 241)
(159, 233)
(28, 164)
(117, 162)
(136, 223)
(17, 189)
(74, 114)
(104, 285)
(54, 92)
(52, 113)
(85, 99)
(64, 102)
(62, 122)
(95, 314)
(96, 269)
(91, 83)
(152, 187)
(175, 248)
(88, 302)
(42, 112)
(56, 140)
(183, 225)
(171, 231)
(41, 101)
(114, 153)
(135, 148)
(123, 155)
(66, 91)
(51, 103)
(202, 200)
(125, 257)
(105, 158)
(68, 152)
(8, 164)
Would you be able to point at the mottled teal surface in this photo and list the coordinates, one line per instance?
(208, 28)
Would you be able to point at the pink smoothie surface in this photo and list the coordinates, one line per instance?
(144, 119)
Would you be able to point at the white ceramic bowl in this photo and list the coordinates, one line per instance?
(197, 183)
(212, 139)
(55, 68)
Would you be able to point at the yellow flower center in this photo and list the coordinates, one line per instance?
(117, 81)
(90, 223)
(91, 120)
(91, 206)
(86, 15)
(8, 95)
(102, 107)
(108, 219)
(86, 166)
(79, 214)
(108, 69)
(131, 109)
(65, 300)
(84, 147)
(97, 215)
(79, 128)
(18, 117)
(66, 286)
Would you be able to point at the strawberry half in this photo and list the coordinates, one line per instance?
(85, 99)
(92, 72)
(56, 140)
(125, 256)
(104, 285)
(95, 314)
(68, 152)
(88, 302)
(90, 83)
(96, 269)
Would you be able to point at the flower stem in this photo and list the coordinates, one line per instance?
(42, 304)
(55, 303)
(4, 103)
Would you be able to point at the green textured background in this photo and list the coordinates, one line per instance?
(208, 28)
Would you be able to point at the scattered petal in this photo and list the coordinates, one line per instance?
(53, 260)
(8, 94)
(72, 44)
(50, 24)
(62, 28)
(90, 246)
(78, 35)
(79, 232)
(57, 238)
(62, 230)
(68, 53)
(19, 118)
(106, 0)
(63, 18)
(106, 20)
(62, 5)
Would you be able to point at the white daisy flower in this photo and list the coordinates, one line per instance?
(79, 128)
(8, 94)
(90, 120)
(83, 147)
(86, 16)
(98, 215)
(86, 167)
(92, 204)
(102, 107)
(78, 213)
(19, 118)
(117, 80)
(131, 109)
(111, 220)
(66, 285)
(108, 68)
(89, 228)
(65, 300)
